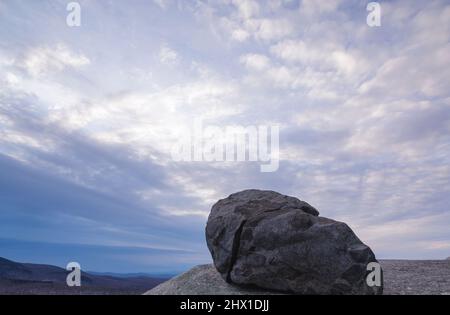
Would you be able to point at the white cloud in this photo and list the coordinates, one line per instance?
(41, 60)
(321, 56)
(255, 61)
(427, 72)
(240, 35)
(411, 238)
(248, 21)
(271, 29)
(364, 112)
(313, 8)
(163, 4)
(167, 55)
(247, 8)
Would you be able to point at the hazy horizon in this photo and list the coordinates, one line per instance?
(101, 269)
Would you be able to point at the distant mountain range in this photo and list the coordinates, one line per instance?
(25, 278)
(134, 274)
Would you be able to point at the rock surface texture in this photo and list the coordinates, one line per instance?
(277, 242)
(400, 277)
(202, 280)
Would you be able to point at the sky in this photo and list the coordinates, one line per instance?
(89, 114)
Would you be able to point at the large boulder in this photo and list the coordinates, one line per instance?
(278, 242)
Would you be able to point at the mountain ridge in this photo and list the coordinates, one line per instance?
(32, 278)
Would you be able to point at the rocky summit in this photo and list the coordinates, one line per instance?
(400, 277)
(276, 242)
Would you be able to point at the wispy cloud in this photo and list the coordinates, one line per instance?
(88, 117)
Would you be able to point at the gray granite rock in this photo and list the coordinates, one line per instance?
(278, 242)
(416, 277)
(400, 277)
(202, 280)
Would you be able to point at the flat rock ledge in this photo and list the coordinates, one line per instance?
(203, 280)
(400, 277)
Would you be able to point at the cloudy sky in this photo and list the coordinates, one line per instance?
(89, 114)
